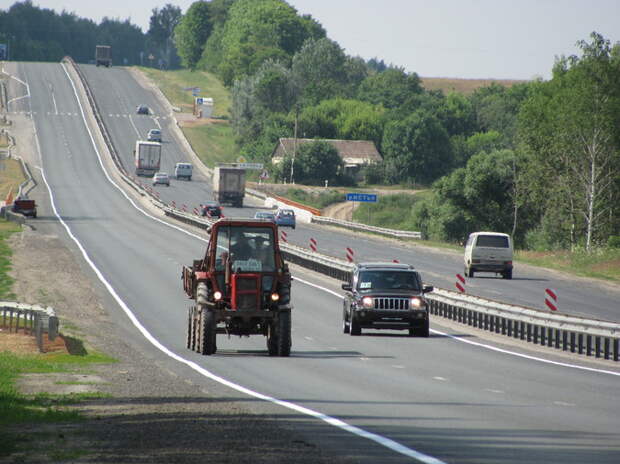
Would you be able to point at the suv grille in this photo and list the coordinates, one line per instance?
(392, 303)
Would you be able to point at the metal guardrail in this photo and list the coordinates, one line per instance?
(570, 333)
(366, 228)
(30, 319)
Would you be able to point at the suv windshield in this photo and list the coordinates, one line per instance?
(387, 280)
(251, 249)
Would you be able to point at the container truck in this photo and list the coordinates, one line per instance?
(229, 184)
(147, 157)
(103, 55)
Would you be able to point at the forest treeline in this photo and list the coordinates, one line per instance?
(32, 33)
(539, 160)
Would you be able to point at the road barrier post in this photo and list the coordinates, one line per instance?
(551, 299)
(313, 244)
(350, 254)
(460, 283)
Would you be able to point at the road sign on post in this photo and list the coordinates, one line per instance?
(365, 197)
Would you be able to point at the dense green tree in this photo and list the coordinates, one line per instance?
(319, 71)
(570, 128)
(192, 32)
(416, 149)
(255, 31)
(161, 31)
(343, 119)
(314, 163)
(390, 88)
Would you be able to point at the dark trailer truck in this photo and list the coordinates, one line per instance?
(103, 55)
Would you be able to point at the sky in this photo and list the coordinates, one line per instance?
(475, 39)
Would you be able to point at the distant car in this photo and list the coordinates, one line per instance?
(385, 296)
(211, 209)
(285, 218)
(142, 109)
(154, 135)
(25, 206)
(161, 178)
(265, 215)
(183, 171)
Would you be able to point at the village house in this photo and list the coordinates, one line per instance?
(354, 153)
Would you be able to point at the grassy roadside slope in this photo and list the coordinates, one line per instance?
(6, 281)
(213, 141)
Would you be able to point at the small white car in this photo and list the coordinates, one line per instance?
(154, 135)
(161, 178)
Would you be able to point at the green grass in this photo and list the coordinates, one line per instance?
(318, 200)
(18, 408)
(602, 263)
(172, 84)
(11, 175)
(390, 211)
(213, 143)
(6, 282)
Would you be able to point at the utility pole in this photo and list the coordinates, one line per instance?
(292, 179)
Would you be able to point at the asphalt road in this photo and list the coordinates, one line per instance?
(443, 397)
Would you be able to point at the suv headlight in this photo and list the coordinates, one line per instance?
(416, 302)
(368, 302)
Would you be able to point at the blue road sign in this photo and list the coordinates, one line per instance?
(367, 197)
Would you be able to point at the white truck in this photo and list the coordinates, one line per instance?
(229, 184)
(103, 55)
(147, 157)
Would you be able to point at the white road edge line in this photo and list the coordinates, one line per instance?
(381, 440)
(483, 345)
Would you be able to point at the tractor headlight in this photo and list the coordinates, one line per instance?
(367, 302)
(416, 302)
(217, 296)
(275, 296)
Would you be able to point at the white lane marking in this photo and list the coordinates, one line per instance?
(54, 100)
(563, 403)
(491, 390)
(441, 379)
(379, 439)
(156, 119)
(309, 339)
(398, 366)
(17, 98)
(485, 346)
(134, 127)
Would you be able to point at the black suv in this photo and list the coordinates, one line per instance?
(211, 209)
(385, 296)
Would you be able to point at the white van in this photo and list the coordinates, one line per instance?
(488, 252)
(183, 171)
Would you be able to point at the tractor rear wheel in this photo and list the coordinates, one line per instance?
(208, 332)
(284, 334)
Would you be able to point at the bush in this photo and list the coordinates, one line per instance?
(613, 241)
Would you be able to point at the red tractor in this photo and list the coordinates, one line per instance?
(242, 286)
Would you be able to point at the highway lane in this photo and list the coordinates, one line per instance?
(118, 93)
(441, 396)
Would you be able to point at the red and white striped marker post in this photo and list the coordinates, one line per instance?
(196, 211)
(283, 236)
(395, 261)
(460, 283)
(313, 244)
(174, 205)
(184, 208)
(350, 254)
(551, 299)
